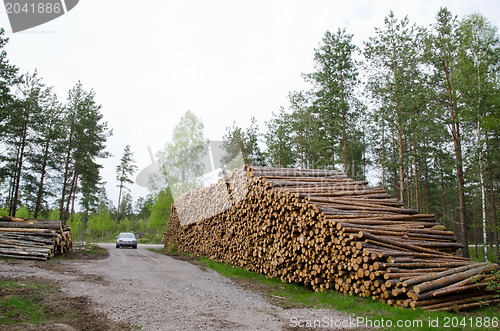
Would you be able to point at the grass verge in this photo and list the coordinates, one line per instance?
(476, 253)
(379, 314)
(39, 304)
(22, 302)
(89, 252)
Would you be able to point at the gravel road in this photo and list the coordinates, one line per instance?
(157, 292)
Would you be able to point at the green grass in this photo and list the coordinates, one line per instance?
(95, 250)
(17, 309)
(91, 251)
(478, 255)
(20, 302)
(149, 240)
(293, 295)
(6, 284)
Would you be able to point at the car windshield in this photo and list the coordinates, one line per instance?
(127, 235)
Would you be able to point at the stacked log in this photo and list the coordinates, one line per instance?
(324, 230)
(33, 239)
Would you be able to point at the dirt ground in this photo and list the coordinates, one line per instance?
(69, 312)
(138, 289)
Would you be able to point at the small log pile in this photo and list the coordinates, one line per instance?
(324, 230)
(33, 239)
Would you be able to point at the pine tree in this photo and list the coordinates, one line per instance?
(238, 140)
(335, 104)
(394, 55)
(479, 70)
(44, 160)
(278, 140)
(444, 55)
(8, 79)
(305, 129)
(32, 97)
(124, 171)
(86, 136)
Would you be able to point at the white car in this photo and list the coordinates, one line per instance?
(126, 239)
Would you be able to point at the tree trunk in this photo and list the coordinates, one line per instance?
(67, 166)
(417, 183)
(73, 201)
(383, 156)
(457, 143)
(42, 178)
(65, 184)
(344, 124)
(483, 207)
(401, 168)
(426, 177)
(301, 152)
(119, 201)
(395, 173)
(13, 184)
(492, 195)
(461, 189)
(333, 154)
(279, 156)
(72, 192)
(443, 200)
(409, 182)
(475, 223)
(11, 192)
(364, 156)
(19, 170)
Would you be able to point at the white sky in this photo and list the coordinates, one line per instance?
(150, 61)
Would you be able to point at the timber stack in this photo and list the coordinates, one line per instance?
(321, 229)
(33, 239)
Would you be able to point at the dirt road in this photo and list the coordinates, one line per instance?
(157, 292)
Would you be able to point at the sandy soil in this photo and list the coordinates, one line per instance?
(157, 292)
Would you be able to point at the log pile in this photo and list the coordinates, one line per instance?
(324, 230)
(33, 239)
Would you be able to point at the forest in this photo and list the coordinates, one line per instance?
(50, 160)
(414, 110)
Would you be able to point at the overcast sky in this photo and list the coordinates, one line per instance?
(150, 61)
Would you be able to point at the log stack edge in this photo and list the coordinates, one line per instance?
(33, 239)
(322, 229)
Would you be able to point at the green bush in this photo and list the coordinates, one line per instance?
(160, 213)
(101, 225)
(23, 212)
(77, 227)
(54, 214)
